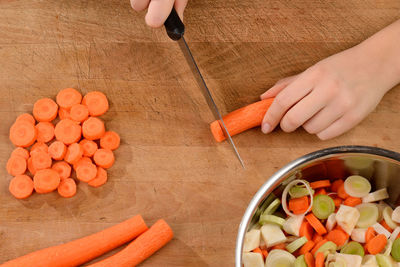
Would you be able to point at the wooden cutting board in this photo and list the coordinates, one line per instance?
(168, 165)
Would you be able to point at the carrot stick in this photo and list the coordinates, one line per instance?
(299, 205)
(320, 191)
(352, 201)
(306, 230)
(93, 128)
(16, 165)
(79, 112)
(96, 102)
(45, 132)
(309, 258)
(68, 97)
(341, 192)
(316, 224)
(306, 247)
(316, 238)
(23, 134)
(67, 188)
(45, 109)
(336, 184)
(241, 119)
(320, 184)
(110, 140)
(63, 169)
(319, 260)
(39, 147)
(21, 186)
(104, 158)
(141, 248)
(41, 160)
(82, 250)
(376, 244)
(74, 153)
(57, 150)
(387, 227)
(20, 151)
(100, 179)
(318, 245)
(46, 181)
(257, 250)
(89, 147)
(86, 172)
(369, 234)
(337, 236)
(26, 117)
(67, 131)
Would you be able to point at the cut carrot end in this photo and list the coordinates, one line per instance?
(21, 186)
(68, 97)
(45, 109)
(23, 134)
(16, 165)
(217, 132)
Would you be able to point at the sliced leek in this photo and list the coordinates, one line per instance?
(395, 233)
(387, 216)
(396, 215)
(285, 193)
(299, 191)
(357, 186)
(383, 261)
(353, 248)
(280, 258)
(266, 218)
(323, 206)
(368, 215)
(295, 245)
(396, 250)
(326, 248)
(300, 262)
(272, 207)
(381, 230)
(380, 194)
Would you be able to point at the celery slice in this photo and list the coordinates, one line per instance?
(387, 216)
(272, 207)
(271, 197)
(280, 258)
(323, 206)
(383, 261)
(326, 248)
(295, 245)
(396, 250)
(299, 191)
(357, 186)
(368, 215)
(271, 219)
(300, 262)
(353, 248)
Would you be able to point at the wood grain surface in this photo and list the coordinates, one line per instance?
(168, 165)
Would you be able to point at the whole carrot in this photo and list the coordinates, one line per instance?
(81, 250)
(241, 119)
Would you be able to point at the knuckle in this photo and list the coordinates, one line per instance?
(289, 123)
(311, 129)
(281, 101)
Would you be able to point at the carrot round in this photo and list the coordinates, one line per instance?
(45, 132)
(316, 224)
(319, 259)
(82, 250)
(352, 201)
(96, 102)
(46, 180)
(67, 131)
(68, 97)
(41, 160)
(86, 172)
(110, 140)
(57, 150)
(83, 160)
(299, 205)
(26, 117)
(320, 184)
(376, 244)
(336, 184)
(320, 191)
(79, 112)
(67, 188)
(341, 192)
(45, 109)
(31, 169)
(100, 179)
(74, 153)
(63, 113)
(104, 158)
(337, 201)
(306, 247)
(20, 151)
(23, 134)
(93, 128)
(63, 169)
(89, 147)
(21, 186)
(309, 258)
(369, 234)
(306, 230)
(241, 119)
(16, 165)
(141, 248)
(337, 236)
(39, 147)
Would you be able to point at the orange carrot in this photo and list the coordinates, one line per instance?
(264, 253)
(352, 201)
(31, 169)
(337, 201)
(341, 192)
(257, 250)
(57, 150)
(16, 165)
(96, 102)
(279, 246)
(23, 134)
(241, 119)
(22, 152)
(110, 140)
(74, 153)
(318, 245)
(384, 224)
(376, 244)
(68, 97)
(45, 131)
(81, 161)
(46, 180)
(104, 158)
(39, 147)
(82, 250)
(41, 160)
(306, 247)
(319, 259)
(93, 128)
(45, 109)
(316, 238)
(21, 186)
(320, 191)
(369, 234)
(336, 184)
(79, 112)
(67, 131)
(63, 169)
(316, 224)
(100, 179)
(337, 236)
(320, 184)
(309, 258)
(86, 172)
(26, 117)
(89, 147)
(299, 205)
(306, 230)
(67, 188)
(63, 113)
(141, 248)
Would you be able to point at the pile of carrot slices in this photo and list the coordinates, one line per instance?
(63, 139)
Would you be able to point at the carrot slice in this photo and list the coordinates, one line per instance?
(57, 150)
(320, 184)
(67, 131)
(20, 151)
(387, 227)
(26, 117)
(376, 244)
(74, 153)
(39, 147)
(96, 102)
(83, 160)
(279, 246)
(257, 250)
(21, 186)
(337, 201)
(369, 234)
(352, 201)
(67, 188)
(316, 224)
(306, 247)
(93, 128)
(23, 134)
(16, 165)
(41, 160)
(318, 245)
(100, 179)
(336, 184)
(341, 192)
(63, 169)
(45, 109)
(298, 205)
(264, 253)
(45, 132)
(89, 147)
(320, 191)
(306, 230)
(337, 236)
(68, 97)
(63, 113)
(110, 140)
(86, 172)
(31, 169)
(46, 181)
(316, 238)
(104, 158)
(319, 260)
(309, 258)
(79, 112)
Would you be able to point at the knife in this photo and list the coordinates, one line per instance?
(175, 30)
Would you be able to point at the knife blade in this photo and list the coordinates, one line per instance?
(175, 30)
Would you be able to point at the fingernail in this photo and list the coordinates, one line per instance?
(266, 128)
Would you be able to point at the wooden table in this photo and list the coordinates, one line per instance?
(168, 165)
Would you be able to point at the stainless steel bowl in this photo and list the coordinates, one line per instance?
(380, 166)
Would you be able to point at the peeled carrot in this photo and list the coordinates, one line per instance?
(316, 224)
(93, 128)
(306, 230)
(299, 205)
(96, 102)
(86, 172)
(319, 259)
(45, 131)
(110, 140)
(63, 169)
(45, 109)
(306, 247)
(68, 97)
(264, 253)
(82, 160)
(41, 160)
(337, 201)
(16, 165)
(352, 201)
(100, 179)
(320, 184)
(337, 236)
(241, 119)
(82, 250)
(23, 134)
(341, 192)
(21, 186)
(369, 234)
(104, 158)
(257, 250)
(57, 150)
(39, 147)
(316, 238)
(141, 248)
(79, 112)
(89, 147)
(309, 258)
(67, 188)
(26, 117)
(20, 151)
(376, 244)
(63, 113)
(46, 180)
(336, 184)
(31, 169)
(318, 245)
(320, 191)
(279, 246)
(67, 131)
(387, 227)
(74, 153)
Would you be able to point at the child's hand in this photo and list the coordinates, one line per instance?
(158, 10)
(338, 92)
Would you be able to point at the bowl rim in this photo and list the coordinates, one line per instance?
(254, 202)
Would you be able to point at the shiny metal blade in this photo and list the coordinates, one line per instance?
(206, 92)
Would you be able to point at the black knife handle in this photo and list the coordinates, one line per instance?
(174, 26)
